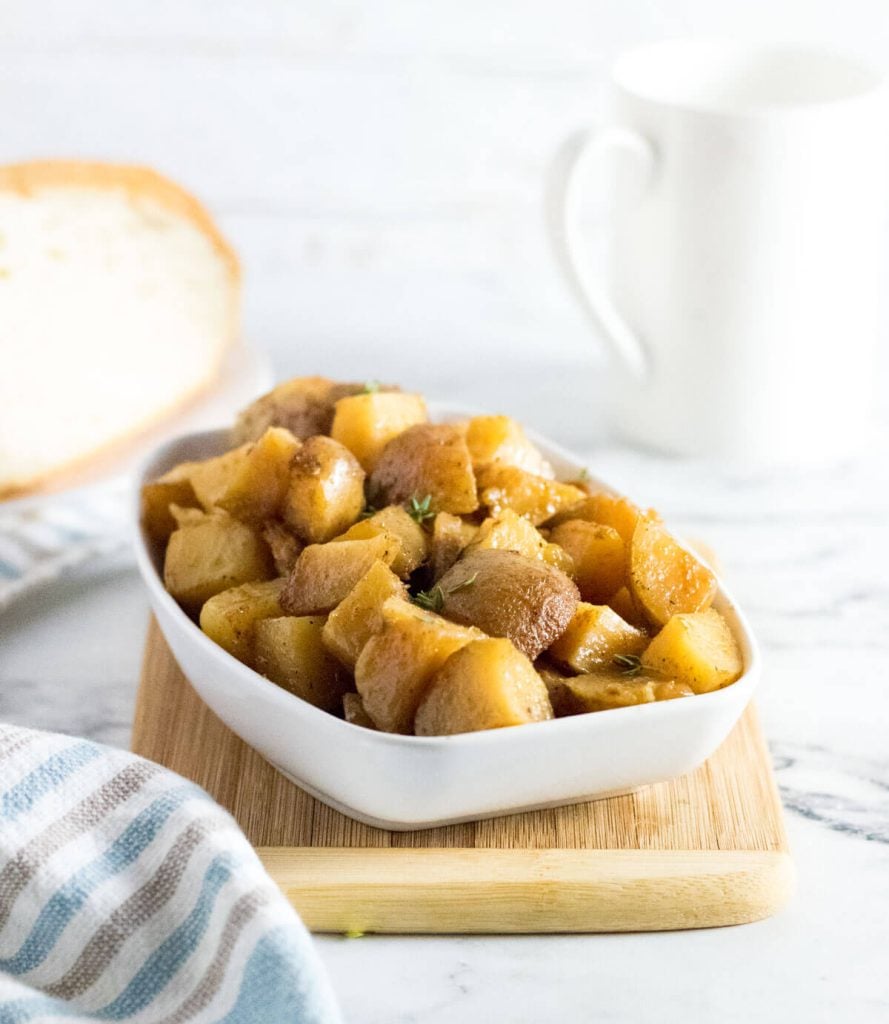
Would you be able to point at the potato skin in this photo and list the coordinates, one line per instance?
(304, 405)
(427, 459)
(326, 491)
(487, 684)
(522, 599)
(366, 423)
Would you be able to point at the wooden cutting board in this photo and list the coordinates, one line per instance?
(706, 849)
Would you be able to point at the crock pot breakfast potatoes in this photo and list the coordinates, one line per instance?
(429, 578)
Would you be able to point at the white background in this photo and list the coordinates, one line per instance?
(380, 168)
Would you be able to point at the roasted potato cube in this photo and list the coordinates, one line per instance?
(606, 509)
(508, 595)
(487, 684)
(229, 618)
(325, 573)
(595, 635)
(360, 614)
(284, 545)
(557, 556)
(502, 439)
(450, 535)
(326, 490)
(599, 557)
(601, 691)
(555, 682)
(395, 520)
(696, 648)
(621, 601)
(427, 460)
(213, 554)
(304, 406)
(508, 531)
(397, 663)
(289, 651)
(249, 481)
(173, 488)
(535, 497)
(365, 424)
(664, 578)
(353, 711)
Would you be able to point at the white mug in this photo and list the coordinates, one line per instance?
(740, 301)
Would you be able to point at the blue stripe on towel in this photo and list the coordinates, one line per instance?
(44, 778)
(272, 989)
(161, 966)
(67, 901)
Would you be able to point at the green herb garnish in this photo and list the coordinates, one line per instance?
(371, 387)
(465, 584)
(368, 512)
(420, 509)
(431, 600)
(629, 664)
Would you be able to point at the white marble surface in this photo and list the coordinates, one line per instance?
(380, 168)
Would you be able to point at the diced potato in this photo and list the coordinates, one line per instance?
(606, 509)
(397, 663)
(696, 648)
(173, 488)
(427, 460)
(508, 595)
(284, 545)
(353, 711)
(229, 618)
(395, 520)
(595, 635)
(289, 651)
(508, 531)
(664, 578)
(450, 535)
(600, 691)
(555, 682)
(502, 439)
(365, 424)
(325, 494)
(487, 684)
(187, 515)
(558, 557)
(535, 497)
(360, 614)
(325, 573)
(304, 405)
(250, 481)
(211, 555)
(599, 557)
(622, 602)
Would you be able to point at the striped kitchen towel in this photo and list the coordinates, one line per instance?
(83, 532)
(127, 894)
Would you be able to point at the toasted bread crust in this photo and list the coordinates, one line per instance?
(34, 176)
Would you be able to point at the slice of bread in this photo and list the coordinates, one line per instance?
(119, 300)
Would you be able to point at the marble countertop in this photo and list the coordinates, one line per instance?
(806, 553)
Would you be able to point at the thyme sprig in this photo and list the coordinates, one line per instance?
(420, 509)
(433, 599)
(371, 387)
(629, 664)
(368, 512)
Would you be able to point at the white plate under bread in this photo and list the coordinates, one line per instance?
(409, 782)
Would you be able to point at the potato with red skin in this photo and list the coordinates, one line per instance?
(304, 405)
(508, 595)
(428, 459)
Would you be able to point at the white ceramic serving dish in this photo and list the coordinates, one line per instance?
(409, 782)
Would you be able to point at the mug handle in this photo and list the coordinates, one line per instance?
(578, 156)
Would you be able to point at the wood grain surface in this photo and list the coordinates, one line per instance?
(706, 849)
